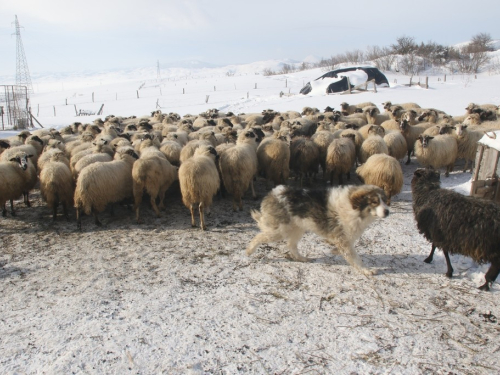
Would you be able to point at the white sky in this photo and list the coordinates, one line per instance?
(66, 35)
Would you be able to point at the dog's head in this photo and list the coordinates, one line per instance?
(369, 200)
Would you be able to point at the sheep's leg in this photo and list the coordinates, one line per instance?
(331, 178)
(262, 238)
(449, 272)
(137, 215)
(12, 212)
(465, 166)
(348, 176)
(409, 157)
(96, 218)
(26, 195)
(491, 275)
(155, 207)
(202, 217)
(193, 221)
(431, 255)
(161, 206)
(240, 203)
(78, 219)
(254, 195)
(341, 179)
(65, 211)
(54, 211)
(4, 211)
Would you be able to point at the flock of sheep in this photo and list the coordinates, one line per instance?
(94, 165)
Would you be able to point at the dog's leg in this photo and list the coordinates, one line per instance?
(352, 257)
(293, 240)
(262, 238)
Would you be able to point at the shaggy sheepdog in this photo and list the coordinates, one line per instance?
(340, 215)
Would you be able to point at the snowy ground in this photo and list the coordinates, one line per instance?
(162, 297)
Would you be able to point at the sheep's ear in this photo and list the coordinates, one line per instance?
(94, 143)
(13, 159)
(29, 156)
(463, 127)
(105, 141)
(430, 137)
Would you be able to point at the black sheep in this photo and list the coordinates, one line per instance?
(457, 224)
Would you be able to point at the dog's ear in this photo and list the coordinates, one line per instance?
(358, 199)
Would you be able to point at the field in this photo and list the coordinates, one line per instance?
(162, 297)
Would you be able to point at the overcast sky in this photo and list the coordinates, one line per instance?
(67, 35)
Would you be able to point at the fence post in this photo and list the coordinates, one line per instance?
(38, 111)
(116, 95)
(286, 82)
(183, 90)
(160, 92)
(256, 85)
(206, 99)
(248, 94)
(54, 111)
(349, 85)
(374, 86)
(76, 112)
(215, 89)
(66, 101)
(445, 78)
(137, 94)
(92, 97)
(410, 80)
(426, 82)
(235, 86)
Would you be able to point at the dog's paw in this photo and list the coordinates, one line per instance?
(369, 271)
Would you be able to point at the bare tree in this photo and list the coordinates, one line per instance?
(481, 41)
(404, 45)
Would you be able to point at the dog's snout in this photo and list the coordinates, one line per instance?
(386, 212)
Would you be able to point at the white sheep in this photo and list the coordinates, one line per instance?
(56, 184)
(238, 166)
(172, 151)
(273, 156)
(372, 145)
(383, 171)
(100, 184)
(304, 158)
(189, 149)
(199, 182)
(154, 175)
(411, 133)
(340, 158)
(467, 144)
(323, 139)
(436, 152)
(396, 144)
(373, 115)
(13, 175)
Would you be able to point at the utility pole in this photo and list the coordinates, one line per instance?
(23, 77)
(158, 75)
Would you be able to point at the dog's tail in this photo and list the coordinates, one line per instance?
(256, 215)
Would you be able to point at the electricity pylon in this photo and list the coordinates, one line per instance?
(23, 77)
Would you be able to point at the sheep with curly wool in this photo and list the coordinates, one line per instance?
(273, 156)
(238, 166)
(383, 171)
(457, 224)
(304, 158)
(199, 181)
(411, 133)
(104, 183)
(467, 144)
(56, 184)
(152, 173)
(14, 172)
(436, 152)
(340, 158)
(396, 144)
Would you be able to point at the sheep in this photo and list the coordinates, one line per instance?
(273, 156)
(154, 174)
(457, 224)
(396, 144)
(358, 139)
(56, 184)
(33, 146)
(323, 140)
(372, 145)
(340, 157)
(411, 133)
(436, 152)
(304, 158)
(13, 175)
(100, 184)
(172, 151)
(371, 129)
(238, 166)
(383, 171)
(474, 120)
(87, 160)
(18, 139)
(405, 106)
(308, 111)
(4, 145)
(100, 146)
(347, 109)
(373, 115)
(199, 181)
(189, 149)
(47, 154)
(467, 144)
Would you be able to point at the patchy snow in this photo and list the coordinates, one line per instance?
(162, 297)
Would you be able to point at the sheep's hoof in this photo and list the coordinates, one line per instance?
(428, 260)
(98, 223)
(13, 213)
(4, 213)
(485, 286)
(449, 274)
(204, 227)
(369, 271)
(255, 198)
(408, 162)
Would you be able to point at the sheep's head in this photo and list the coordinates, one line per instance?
(329, 109)
(24, 134)
(386, 105)
(34, 138)
(352, 126)
(404, 125)
(446, 129)
(376, 129)
(461, 130)
(4, 144)
(350, 136)
(426, 176)
(22, 159)
(425, 139)
(472, 119)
